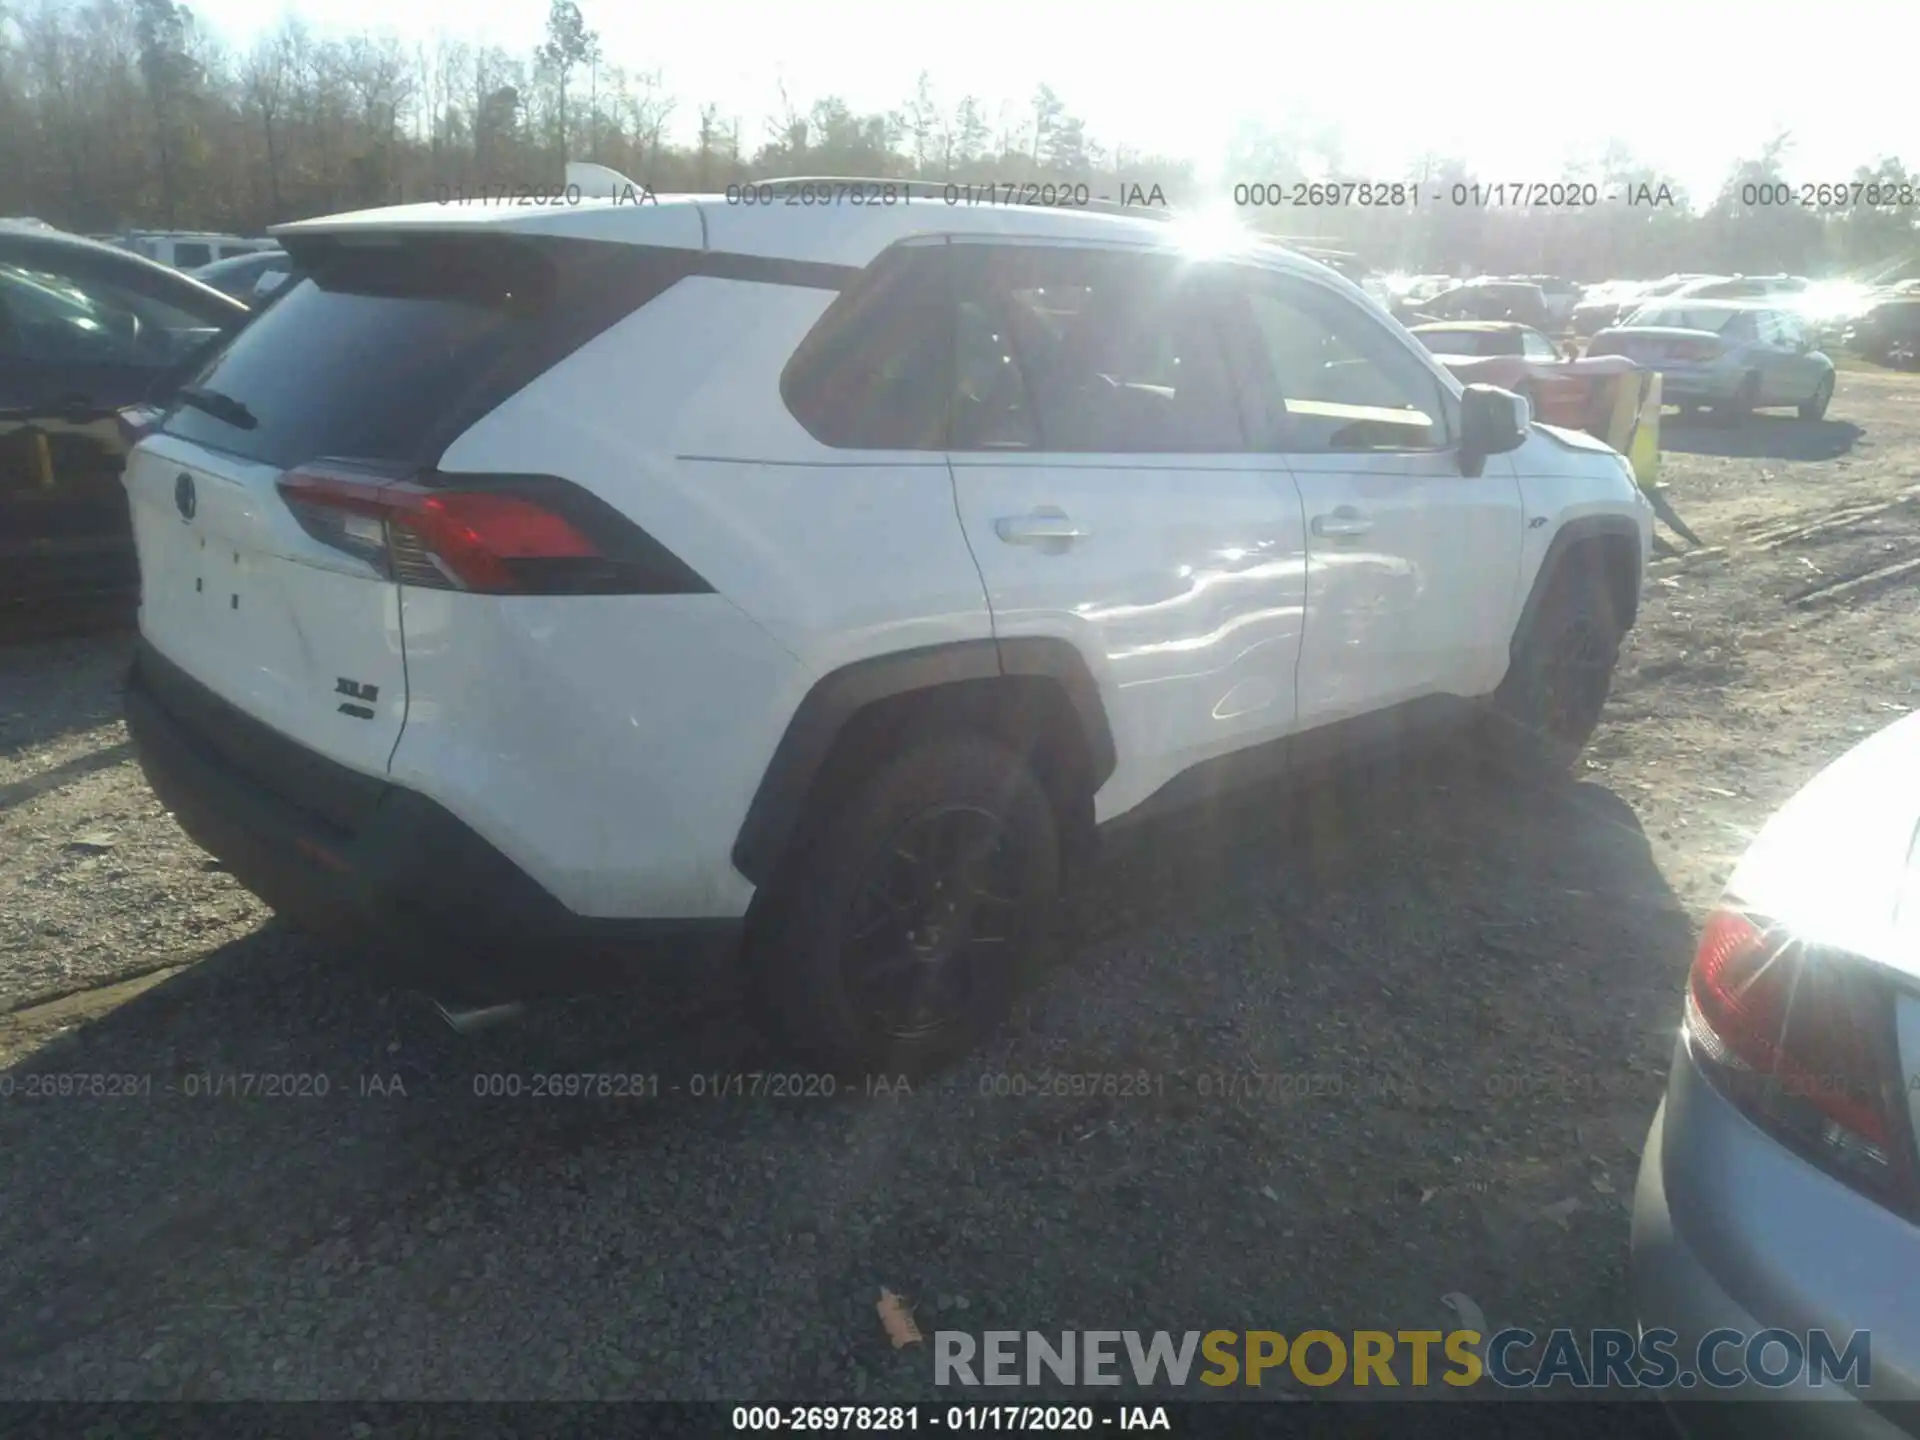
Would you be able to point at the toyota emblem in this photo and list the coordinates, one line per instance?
(184, 498)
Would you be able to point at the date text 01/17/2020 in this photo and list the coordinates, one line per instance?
(1064, 195)
(895, 1419)
(1409, 195)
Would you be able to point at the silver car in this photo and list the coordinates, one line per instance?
(1780, 1183)
(1736, 356)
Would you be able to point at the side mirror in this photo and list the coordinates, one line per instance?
(1492, 422)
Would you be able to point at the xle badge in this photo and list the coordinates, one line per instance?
(344, 686)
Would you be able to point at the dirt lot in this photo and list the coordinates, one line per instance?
(1443, 1009)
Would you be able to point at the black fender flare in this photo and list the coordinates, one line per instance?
(1575, 532)
(834, 700)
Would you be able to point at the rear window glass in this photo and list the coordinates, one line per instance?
(1677, 318)
(375, 352)
(1462, 342)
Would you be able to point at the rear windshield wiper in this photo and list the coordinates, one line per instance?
(222, 407)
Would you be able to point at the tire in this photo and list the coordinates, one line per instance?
(937, 968)
(1815, 408)
(1551, 700)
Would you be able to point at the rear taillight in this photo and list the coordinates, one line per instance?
(1801, 1039)
(492, 534)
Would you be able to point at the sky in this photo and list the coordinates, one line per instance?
(1512, 88)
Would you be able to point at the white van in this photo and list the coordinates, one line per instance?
(190, 249)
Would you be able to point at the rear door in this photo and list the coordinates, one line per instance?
(1101, 471)
(368, 359)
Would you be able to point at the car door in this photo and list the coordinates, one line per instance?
(80, 338)
(1101, 470)
(1780, 362)
(1801, 364)
(1412, 566)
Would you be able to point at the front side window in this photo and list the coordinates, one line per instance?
(1076, 351)
(1536, 346)
(1336, 381)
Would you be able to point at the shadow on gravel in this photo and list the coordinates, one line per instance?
(1384, 1037)
(18, 792)
(1760, 437)
(51, 688)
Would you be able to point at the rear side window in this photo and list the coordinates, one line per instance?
(876, 372)
(1077, 351)
(389, 351)
(192, 255)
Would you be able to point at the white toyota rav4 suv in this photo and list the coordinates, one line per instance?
(548, 591)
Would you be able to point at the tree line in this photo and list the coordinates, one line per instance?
(129, 113)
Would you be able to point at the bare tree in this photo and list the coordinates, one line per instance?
(569, 45)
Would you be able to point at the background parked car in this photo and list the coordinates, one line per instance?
(85, 329)
(1739, 287)
(189, 249)
(1563, 389)
(247, 278)
(1777, 1185)
(1611, 303)
(1561, 296)
(1520, 303)
(1889, 332)
(1733, 355)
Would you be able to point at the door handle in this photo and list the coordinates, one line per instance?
(1342, 522)
(1039, 528)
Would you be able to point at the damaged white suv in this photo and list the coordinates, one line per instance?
(551, 591)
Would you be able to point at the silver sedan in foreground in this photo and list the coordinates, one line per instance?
(1779, 1188)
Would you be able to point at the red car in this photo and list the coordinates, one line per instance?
(1563, 389)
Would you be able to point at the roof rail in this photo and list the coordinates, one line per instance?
(954, 192)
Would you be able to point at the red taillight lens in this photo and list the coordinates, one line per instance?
(1801, 1040)
(482, 540)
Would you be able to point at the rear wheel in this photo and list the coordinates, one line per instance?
(1552, 697)
(1815, 408)
(915, 904)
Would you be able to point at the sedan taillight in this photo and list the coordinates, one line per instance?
(1802, 1040)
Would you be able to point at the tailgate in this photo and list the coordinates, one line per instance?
(237, 594)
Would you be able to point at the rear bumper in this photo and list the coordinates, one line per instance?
(1731, 1233)
(1702, 384)
(341, 852)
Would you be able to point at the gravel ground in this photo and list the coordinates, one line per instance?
(1441, 1008)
